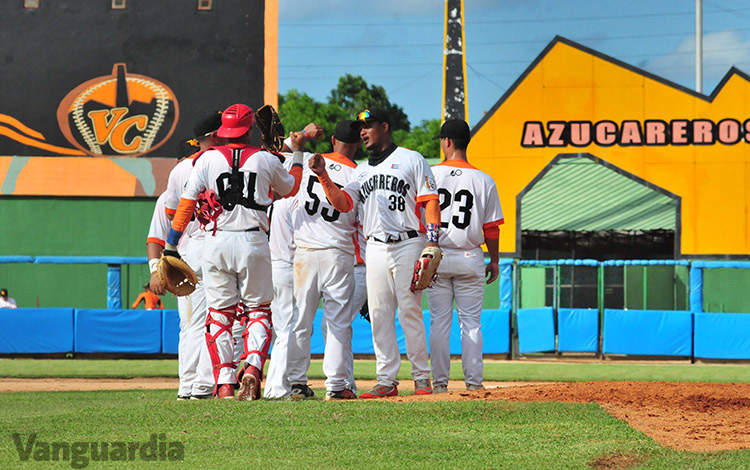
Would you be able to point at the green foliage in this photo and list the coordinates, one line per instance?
(352, 95)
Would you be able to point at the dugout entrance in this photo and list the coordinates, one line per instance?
(582, 207)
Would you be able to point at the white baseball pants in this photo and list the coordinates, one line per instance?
(327, 274)
(359, 297)
(460, 278)
(195, 373)
(235, 273)
(285, 314)
(390, 268)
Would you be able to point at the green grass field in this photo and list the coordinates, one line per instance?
(493, 370)
(318, 434)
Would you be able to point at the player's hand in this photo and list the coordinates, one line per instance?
(317, 164)
(299, 139)
(156, 285)
(493, 270)
(314, 131)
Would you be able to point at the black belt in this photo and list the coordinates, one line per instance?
(401, 237)
(254, 229)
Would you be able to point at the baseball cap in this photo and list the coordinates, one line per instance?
(375, 114)
(454, 129)
(206, 123)
(236, 120)
(346, 133)
(3, 292)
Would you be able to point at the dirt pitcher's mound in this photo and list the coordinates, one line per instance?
(691, 416)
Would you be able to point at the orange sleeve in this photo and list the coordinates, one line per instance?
(169, 212)
(158, 241)
(296, 171)
(492, 232)
(184, 213)
(432, 211)
(341, 201)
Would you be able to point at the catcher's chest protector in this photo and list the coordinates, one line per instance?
(231, 186)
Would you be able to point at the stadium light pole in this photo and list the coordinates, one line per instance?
(699, 46)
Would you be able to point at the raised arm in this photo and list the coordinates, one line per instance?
(339, 199)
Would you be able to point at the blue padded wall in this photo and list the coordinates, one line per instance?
(36, 330)
(722, 335)
(536, 329)
(170, 331)
(578, 330)
(648, 332)
(118, 331)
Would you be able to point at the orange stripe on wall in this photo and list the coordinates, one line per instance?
(73, 177)
(40, 145)
(271, 55)
(10, 120)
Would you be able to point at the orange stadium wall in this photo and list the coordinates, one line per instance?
(692, 145)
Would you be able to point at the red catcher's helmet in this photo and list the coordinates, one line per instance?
(236, 121)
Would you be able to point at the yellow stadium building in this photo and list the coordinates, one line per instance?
(596, 158)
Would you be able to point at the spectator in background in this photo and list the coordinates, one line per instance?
(153, 302)
(5, 301)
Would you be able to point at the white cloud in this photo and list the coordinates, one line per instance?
(721, 51)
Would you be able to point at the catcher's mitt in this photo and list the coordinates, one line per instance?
(177, 277)
(425, 269)
(271, 128)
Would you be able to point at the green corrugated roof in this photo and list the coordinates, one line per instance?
(579, 194)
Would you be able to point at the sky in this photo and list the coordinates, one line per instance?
(398, 44)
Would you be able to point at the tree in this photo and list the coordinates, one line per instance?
(353, 95)
(420, 138)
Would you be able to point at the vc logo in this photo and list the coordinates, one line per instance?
(120, 114)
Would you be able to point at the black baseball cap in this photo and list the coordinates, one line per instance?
(368, 116)
(346, 132)
(454, 129)
(206, 123)
(3, 292)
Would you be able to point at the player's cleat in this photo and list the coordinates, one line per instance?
(381, 391)
(440, 389)
(474, 387)
(344, 394)
(225, 391)
(250, 384)
(422, 387)
(207, 396)
(302, 391)
(183, 397)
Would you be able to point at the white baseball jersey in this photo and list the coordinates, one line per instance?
(261, 173)
(316, 223)
(176, 184)
(469, 203)
(281, 240)
(389, 193)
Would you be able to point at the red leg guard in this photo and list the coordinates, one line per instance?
(213, 351)
(258, 315)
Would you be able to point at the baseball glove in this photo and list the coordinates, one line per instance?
(425, 269)
(177, 277)
(271, 128)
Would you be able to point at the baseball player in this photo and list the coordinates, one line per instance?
(157, 235)
(284, 306)
(323, 268)
(150, 300)
(236, 259)
(5, 301)
(391, 187)
(471, 215)
(194, 358)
